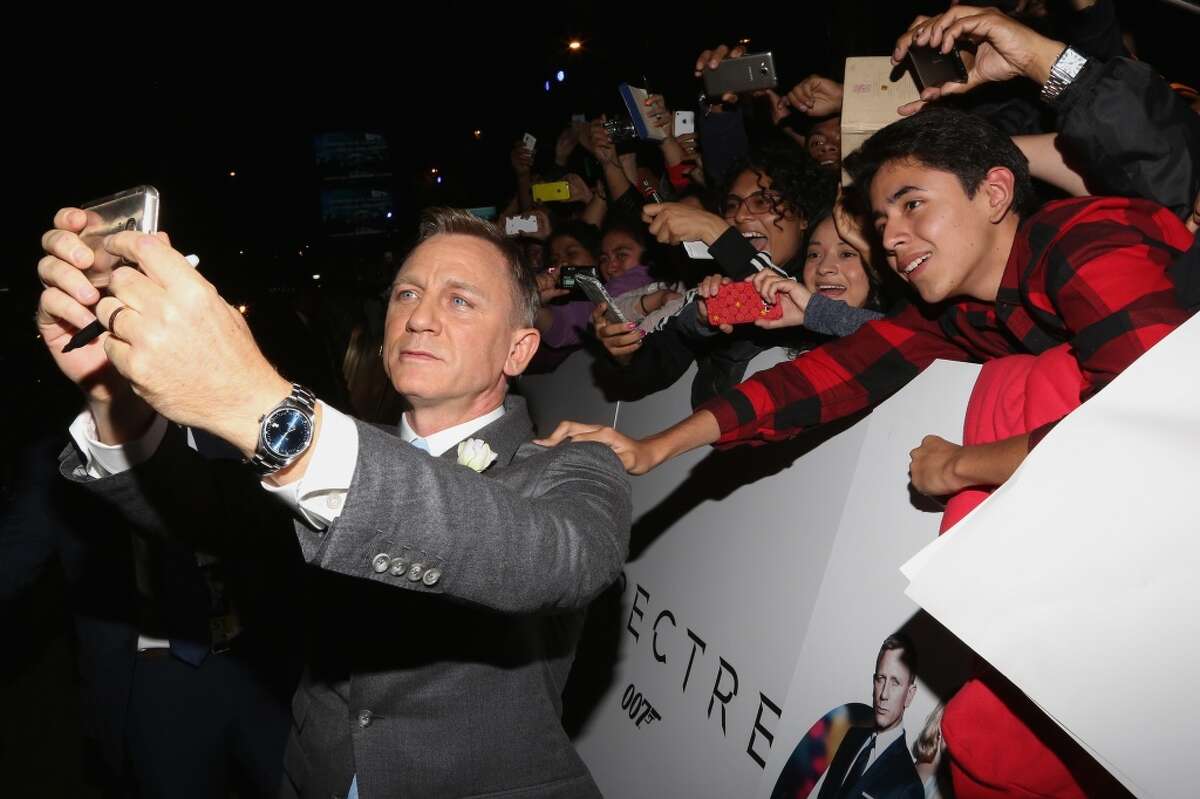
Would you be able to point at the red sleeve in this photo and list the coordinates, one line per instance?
(833, 381)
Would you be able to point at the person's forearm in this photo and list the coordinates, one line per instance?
(628, 163)
(991, 464)
(695, 431)
(595, 211)
(1042, 55)
(512, 207)
(614, 177)
(524, 193)
(672, 152)
(1046, 163)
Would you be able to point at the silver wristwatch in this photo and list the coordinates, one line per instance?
(1064, 72)
(285, 431)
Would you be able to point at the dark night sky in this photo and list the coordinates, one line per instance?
(180, 111)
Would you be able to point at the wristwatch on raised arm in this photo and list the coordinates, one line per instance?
(285, 431)
(1066, 69)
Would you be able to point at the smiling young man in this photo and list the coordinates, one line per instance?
(951, 198)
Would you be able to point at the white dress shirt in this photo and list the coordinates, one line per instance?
(318, 496)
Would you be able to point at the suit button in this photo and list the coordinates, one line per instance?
(381, 562)
(364, 718)
(431, 577)
(416, 571)
(399, 567)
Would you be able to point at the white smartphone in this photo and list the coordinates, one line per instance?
(530, 142)
(516, 225)
(685, 122)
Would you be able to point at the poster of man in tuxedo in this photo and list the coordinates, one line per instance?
(872, 757)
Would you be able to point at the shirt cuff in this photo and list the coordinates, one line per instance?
(319, 496)
(104, 460)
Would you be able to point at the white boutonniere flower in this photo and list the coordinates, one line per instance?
(475, 454)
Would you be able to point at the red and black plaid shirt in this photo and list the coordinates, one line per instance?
(1089, 271)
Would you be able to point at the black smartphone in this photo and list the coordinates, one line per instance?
(743, 74)
(932, 68)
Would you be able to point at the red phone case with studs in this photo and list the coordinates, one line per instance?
(739, 304)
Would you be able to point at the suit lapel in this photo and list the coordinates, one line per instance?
(882, 775)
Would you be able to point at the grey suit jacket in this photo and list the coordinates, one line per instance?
(441, 675)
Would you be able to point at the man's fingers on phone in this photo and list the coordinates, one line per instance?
(72, 219)
(69, 247)
(57, 273)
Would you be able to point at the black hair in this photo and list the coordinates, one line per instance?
(804, 187)
(908, 653)
(963, 144)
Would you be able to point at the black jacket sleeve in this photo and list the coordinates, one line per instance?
(1131, 134)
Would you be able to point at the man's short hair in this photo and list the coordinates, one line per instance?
(908, 653)
(965, 145)
(454, 221)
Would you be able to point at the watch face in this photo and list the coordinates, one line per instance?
(286, 432)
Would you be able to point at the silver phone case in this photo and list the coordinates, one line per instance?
(596, 292)
(132, 209)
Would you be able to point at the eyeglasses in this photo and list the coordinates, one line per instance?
(758, 203)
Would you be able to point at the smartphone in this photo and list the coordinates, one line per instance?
(685, 123)
(932, 68)
(530, 142)
(516, 225)
(567, 275)
(635, 98)
(743, 74)
(132, 209)
(558, 191)
(739, 304)
(596, 292)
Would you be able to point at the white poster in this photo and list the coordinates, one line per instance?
(1080, 572)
